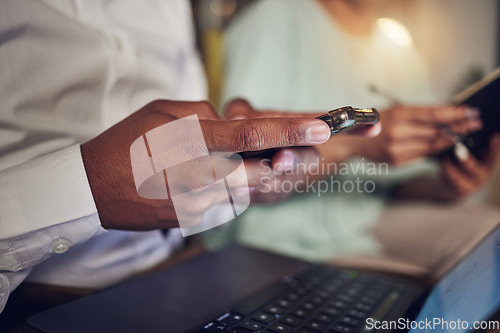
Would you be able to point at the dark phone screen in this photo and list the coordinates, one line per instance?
(488, 101)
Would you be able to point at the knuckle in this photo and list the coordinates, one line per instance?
(237, 107)
(156, 104)
(250, 137)
(437, 115)
(237, 103)
(205, 108)
(293, 136)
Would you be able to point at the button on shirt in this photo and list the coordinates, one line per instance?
(70, 70)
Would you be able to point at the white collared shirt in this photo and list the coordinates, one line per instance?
(70, 70)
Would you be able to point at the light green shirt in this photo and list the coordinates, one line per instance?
(290, 55)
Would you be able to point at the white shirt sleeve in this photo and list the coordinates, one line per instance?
(40, 216)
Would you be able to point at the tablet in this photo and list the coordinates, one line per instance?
(485, 95)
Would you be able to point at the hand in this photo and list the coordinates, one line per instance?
(241, 109)
(281, 172)
(457, 179)
(108, 164)
(466, 174)
(410, 133)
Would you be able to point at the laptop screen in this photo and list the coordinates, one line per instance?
(467, 295)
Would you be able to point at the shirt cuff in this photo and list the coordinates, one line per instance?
(43, 192)
(46, 207)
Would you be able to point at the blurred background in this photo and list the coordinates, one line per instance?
(459, 40)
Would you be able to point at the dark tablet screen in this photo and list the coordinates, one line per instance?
(484, 95)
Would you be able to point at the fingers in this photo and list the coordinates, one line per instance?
(297, 160)
(177, 109)
(472, 168)
(466, 174)
(258, 171)
(259, 134)
(408, 151)
(454, 176)
(285, 114)
(409, 130)
(241, 109)
(284, 160)
(492, 155)
(443, 115)
(238, 109)
(449, 119)
(267, 176)
(463, 127)
(479, 169)
(291, 163)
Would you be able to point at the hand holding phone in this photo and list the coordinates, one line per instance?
(338, 120)
(483, 95)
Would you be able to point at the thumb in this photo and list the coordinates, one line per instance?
(263, 133)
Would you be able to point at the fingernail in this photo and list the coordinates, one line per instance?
(318, 133)
(286, 162)
(461, 151)
(472, 112)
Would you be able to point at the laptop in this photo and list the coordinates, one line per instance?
(241, 289)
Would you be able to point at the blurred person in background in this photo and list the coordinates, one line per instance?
(310, 55)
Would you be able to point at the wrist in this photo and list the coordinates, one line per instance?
(90, 165)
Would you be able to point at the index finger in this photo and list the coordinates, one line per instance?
(259, 134)
(444, 115)
(241, 109)
(284, 114)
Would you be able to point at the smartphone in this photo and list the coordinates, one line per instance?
(484, 96)
(347, 117)
(338, 120)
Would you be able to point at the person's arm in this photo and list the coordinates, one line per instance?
(115, 193)
(39, 217)
(407, 133)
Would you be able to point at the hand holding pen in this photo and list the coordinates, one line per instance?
(455, 131)
(427, 131)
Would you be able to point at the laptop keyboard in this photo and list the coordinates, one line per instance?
(312, 299)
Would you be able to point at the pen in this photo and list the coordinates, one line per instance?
(374, 89)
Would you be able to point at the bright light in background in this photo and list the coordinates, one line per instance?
(395, 31)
